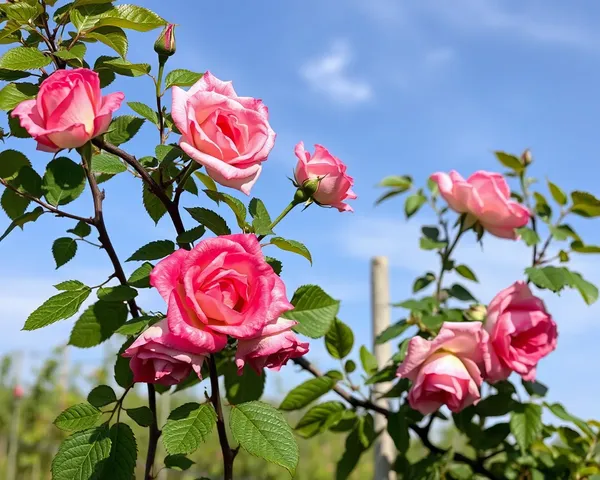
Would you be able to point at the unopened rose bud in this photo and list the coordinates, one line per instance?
(165, 43)
(477, 313)
(18, 391)
(526, 157)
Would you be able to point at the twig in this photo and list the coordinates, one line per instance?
(154, 433)
(47, 206)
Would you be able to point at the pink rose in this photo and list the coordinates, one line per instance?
(447, 369)
(272, 348)
(521, 332)
(335, 184)
(159, 357)
(223, 286)
(229, 135)
(18, 391)
(69, 110)
(485, 196)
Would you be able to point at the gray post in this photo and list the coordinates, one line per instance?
(384, 448)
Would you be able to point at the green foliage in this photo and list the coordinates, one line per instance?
(123, 128)
(526, 424)
(123, 453)
(178, 462)
(153, 251)
(141, 415)
(63, 181)
(107, 163)
(339, 339)
(59, 307)
(314, 311)
(236, 206)
(261, 221)
(292, 246)
(140, 278)
(413, 203)
(210, 220)
(368, 360)
(243, 388)
(145, 111)
(63, 250)
(78, 417)
(24, 58)
(306, 393)
(187, 427)
(120, 293)
(558, 278)
(82, 455)
(182, 78)
(97, 324)
(101, 396)
(14, 93)
(320, 418)
(113, 37)
(262, 431)
(510, 161)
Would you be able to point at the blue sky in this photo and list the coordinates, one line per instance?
(390, 87)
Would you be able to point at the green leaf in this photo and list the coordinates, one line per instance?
(144, 110)
(13, 204)
(85, 16)
(585, 204)
(22, 13)
(510, 161)
(238, 208)
(113, 37)
(123, 373)
(262, 431)
(243, 388)
(557, 194)
(178, 462)
(78, 417)
(579, 247)
(123, 128)
(207, 181)
(397, 181)
(140, 278)
(123, 453)
(59, 307)
(24, 58)
(461, 293)
(187, 426)
(153, 251)
(314, 311)
(210, 220)
(133, 17)
(359, 440)
(339, 339)
(492, 437)
(97, 323)
(535, 388)
(16, 130)
(154, 206)
(261, 221)
(11, 162)
(69, 285)
(182, 78)
(350, 366)
(552, 278)
(495, 405)
(22, 220)
(368, 360)
(466, 272)
(529, 236)
(428, 244)
(121, 67)
(306, 393)
(14, 93)
(423, 282)
(414, 203)
(107, 163)
(101, 396)
(81, 230)
(63, 250)
(82, 456)
(292, 246)
(319, 418)
(386, 374)
(191, 235)
(73, 56)
(275, 264)
(63, 182)
(120, 293)
(559, 410)
(397, 427)
(587, 290)
(141, 415)
(526, 424)
(136, 325)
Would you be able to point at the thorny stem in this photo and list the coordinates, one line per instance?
(154, 434)
(445, 256)
(161, 120)
(527, 201)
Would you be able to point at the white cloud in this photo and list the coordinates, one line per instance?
(329, 76)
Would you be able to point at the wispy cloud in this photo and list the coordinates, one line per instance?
(329, 75)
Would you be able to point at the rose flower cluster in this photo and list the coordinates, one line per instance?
(516, 333)
(223, 288)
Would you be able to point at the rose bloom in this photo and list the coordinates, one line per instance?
(521, 332)
(486, 197)
(446, 370)
(159, 357)
(223, 286)
(275, 345)
(69, 110)
(229, 135)
(335, 185)
(18, 391)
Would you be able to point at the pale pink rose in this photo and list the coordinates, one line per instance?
(272, 348)
(69, 110)
(159, 357)
(335, 185)
(486, 197)
(521, 333)
(229, 135)
(447, 369)
(223, 286)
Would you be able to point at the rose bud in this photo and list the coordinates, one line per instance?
(165, 43)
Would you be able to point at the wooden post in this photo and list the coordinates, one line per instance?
(384, 448)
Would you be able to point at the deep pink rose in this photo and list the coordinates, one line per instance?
(69, 110)
(521, 332)
(335, 184)
(223, 286)
(159, 357)
(272, 348)
(447, 369)
(18, 391)
(229, 135)
(486, 197)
